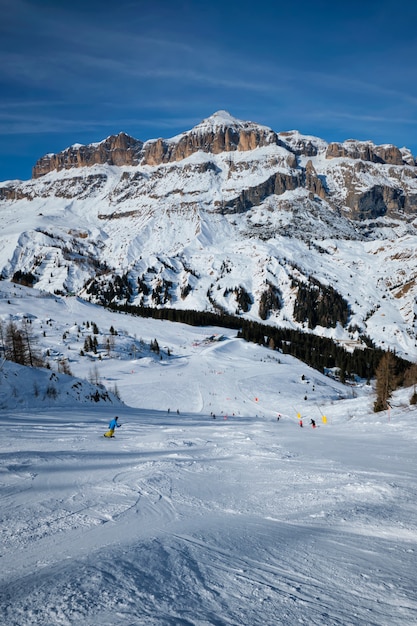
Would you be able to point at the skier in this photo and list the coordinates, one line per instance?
(313, 423)
(301, 423)
(112, 426)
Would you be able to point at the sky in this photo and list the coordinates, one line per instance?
(79, 71)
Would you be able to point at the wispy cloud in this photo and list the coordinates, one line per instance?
(37, 123)
(364, 117)
(351, 84)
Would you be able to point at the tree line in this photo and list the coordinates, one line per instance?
(321, 353)
(19, 344)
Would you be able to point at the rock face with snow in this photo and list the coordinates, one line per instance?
(367, 151)
(115, 150)
(228, 216)
(221, 133)
(217, 134)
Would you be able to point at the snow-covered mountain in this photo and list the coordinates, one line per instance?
(212, 505)
(229, 216)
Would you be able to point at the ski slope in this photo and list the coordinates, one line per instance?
(184, 519)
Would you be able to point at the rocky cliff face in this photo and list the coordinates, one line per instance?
(219, 133)
(115, 150)
(302, 145)
(368, 151)
(212, 141)
(366, 180)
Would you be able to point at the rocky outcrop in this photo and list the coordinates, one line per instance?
(118, 149)
(11, 193)
(301, 145)
(276, 184)
(313, 182)
(213, 141)
(408, 156)
(366, 151)
(375, 202)
(371, 190)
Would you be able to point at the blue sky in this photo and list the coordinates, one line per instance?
(77, 71)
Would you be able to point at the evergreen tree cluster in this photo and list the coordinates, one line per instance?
(243, 298)
(185, 290)
(270, 300)
(91, 344)
(160, 293)
(154, 346)
(117, 289)
(319, 352)
(24, 278)
(319, 305)
(143, 286)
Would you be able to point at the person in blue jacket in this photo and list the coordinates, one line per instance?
(112, 426)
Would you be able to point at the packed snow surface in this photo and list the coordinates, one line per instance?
(186, 519)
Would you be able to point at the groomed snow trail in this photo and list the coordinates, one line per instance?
(183, 520)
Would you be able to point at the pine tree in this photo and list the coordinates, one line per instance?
(154, 346)
(385, 381)
(15, 345)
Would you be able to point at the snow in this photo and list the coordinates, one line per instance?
(183, 519)
(220, 120)
(223, 119)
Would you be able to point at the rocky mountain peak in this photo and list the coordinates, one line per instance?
(221, 132)
(222, 230)
(223, 119)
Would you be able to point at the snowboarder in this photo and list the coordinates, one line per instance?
(112, 426)
(313, 423)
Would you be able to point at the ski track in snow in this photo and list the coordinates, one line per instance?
(190, 520)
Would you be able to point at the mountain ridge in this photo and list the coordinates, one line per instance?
(231, 217)
(221, 132)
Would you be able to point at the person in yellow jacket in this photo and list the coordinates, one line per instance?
(112, 426)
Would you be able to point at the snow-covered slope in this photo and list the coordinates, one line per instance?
(227, 208)
(189, 519)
